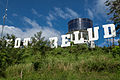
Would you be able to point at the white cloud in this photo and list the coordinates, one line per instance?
(61, 13)
(14, 15)
(90, 13)
(98, 10)
(29, 32)
(36, 13)
(72, 13)
(100, 6)
(50, 17)
(49, 23)
(12, 30)
(32, 22)
(66, 13)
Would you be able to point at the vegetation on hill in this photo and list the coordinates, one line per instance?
(39, 62)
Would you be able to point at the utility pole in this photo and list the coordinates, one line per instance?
(4, 17)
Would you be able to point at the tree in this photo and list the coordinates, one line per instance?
(5, 52)
(2, 43)
(12, 54)
(39, 43)
(3, 63)
(114, 10)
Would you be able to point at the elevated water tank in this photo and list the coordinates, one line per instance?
(79, 24)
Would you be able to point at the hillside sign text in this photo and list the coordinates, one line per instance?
(109, 32)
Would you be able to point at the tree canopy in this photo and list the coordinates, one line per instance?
(114, 10)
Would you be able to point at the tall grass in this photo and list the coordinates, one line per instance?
(62, 64)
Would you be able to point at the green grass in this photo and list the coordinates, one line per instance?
(62, 64)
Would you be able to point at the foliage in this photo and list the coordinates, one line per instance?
(93, 64)
(39, 62)
(3, 61)
(2, 43)
(116, 50)
(114, 10)
(119, 42)
(39, 43)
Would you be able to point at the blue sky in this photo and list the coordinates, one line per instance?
(26, 17)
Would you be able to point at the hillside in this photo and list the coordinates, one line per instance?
(73, 63)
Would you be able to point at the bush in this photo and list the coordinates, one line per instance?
(116, 50)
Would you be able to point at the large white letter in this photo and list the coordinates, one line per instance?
(25, 41)
(107, 32)
(65, 41)
(53, 42)
(9, 41)
(77, 41)
(90, 34)
(17, 42)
